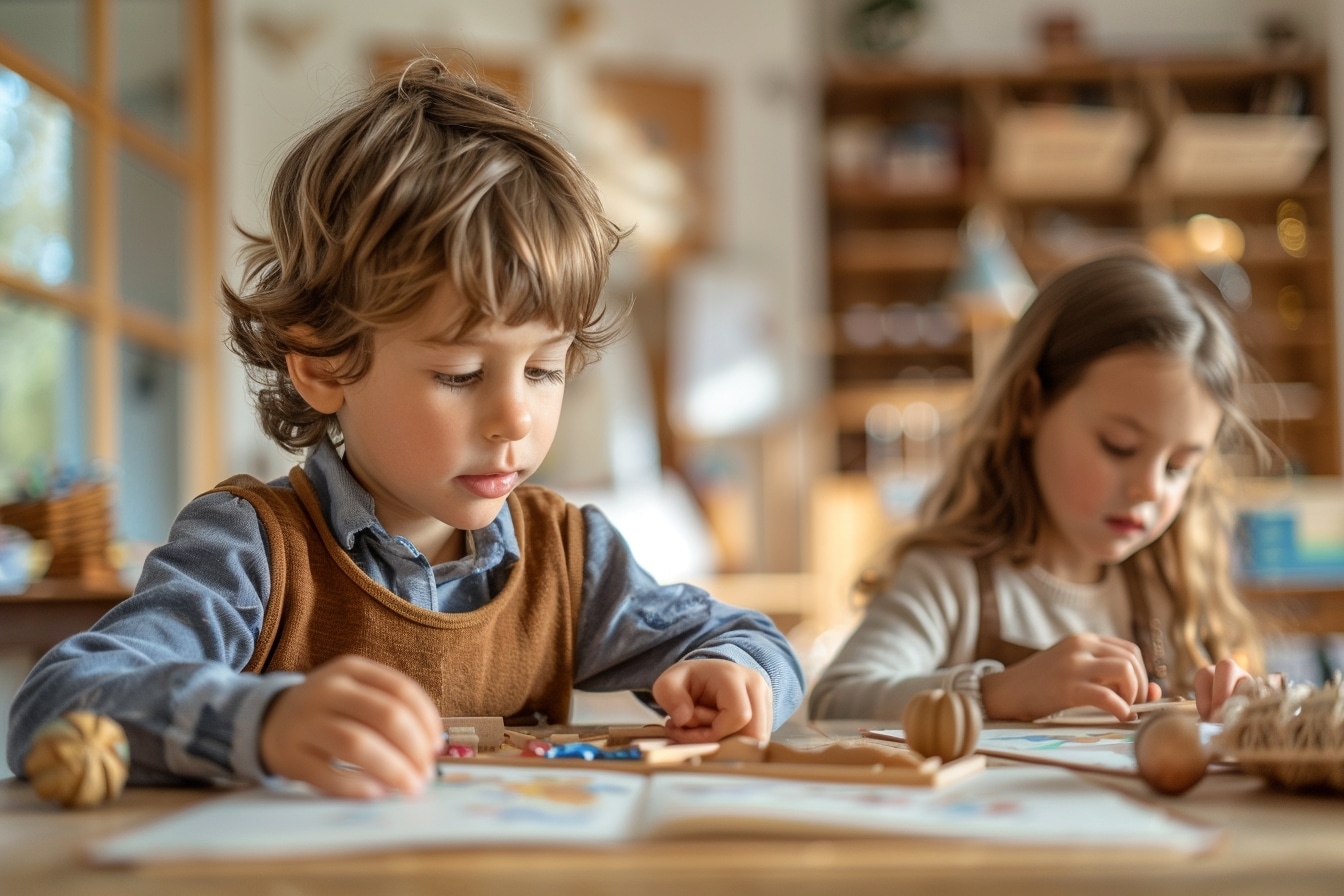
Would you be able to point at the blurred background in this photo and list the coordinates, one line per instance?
(839, 206)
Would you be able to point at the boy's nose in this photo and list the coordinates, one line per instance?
(510, 418)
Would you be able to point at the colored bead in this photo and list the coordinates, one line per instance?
(589, 752)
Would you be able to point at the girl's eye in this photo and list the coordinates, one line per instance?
(1116, 450)
(544, 375)
(458, 380)
(1179, 472)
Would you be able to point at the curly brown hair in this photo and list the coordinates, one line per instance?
(427, 174)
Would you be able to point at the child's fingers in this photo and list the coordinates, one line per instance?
(1130, 652)
(1104, 699)
(1226, 674)
(1118, 674)
(420, 719)
(1204, 691)
(1221, 684)
(761, 723)
(734, 709)
(672, 696)
(377, 758)
(337, 740)
(318, 771)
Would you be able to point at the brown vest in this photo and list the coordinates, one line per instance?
(513, 657)
(1147, 629)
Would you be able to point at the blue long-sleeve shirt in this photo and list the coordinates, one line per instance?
(164, 663)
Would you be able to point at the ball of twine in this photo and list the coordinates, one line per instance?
(79, 760)
(1293, 737)
(942, 723)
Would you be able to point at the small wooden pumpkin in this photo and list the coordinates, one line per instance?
(79, 760)
(942, 723)
(1169, 753)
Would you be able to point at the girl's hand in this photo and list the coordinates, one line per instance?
(376, 722)
(1214, 684)
(708, 700)
(1080, 670)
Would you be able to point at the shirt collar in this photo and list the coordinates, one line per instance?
(349, 510)
(347, 506)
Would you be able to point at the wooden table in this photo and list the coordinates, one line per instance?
(1275, 842)
(53, 609)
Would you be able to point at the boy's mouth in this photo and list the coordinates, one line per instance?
(489, 485)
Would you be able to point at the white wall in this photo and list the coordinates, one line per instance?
(762, 57)
(758, 54)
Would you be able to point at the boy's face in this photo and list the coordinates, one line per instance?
(441, 432)
(1114, 457)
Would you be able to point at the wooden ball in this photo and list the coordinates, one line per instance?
(941, 723)
(1171, 757)
(78, 760)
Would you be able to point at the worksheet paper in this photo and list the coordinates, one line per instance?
(512, 807)
(1098, 749)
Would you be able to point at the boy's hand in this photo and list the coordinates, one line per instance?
(1214, 684)
(708, 700)
(362, 714)
(1080, 670)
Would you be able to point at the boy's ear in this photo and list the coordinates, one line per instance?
(315, 379)
(1029, 404)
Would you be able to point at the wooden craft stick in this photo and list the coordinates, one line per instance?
(846, 753)
(1091, 715)
(518, 739)
(740, 749)
(489, 730)
(620, 735)
(674, 754)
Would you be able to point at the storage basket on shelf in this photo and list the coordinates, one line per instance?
(1050, 150)
(77, 524)
(1223, 153)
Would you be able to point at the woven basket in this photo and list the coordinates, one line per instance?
(77, 525)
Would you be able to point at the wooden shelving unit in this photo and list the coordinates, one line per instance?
(909, 153)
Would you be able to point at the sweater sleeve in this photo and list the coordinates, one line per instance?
(906, 642)
(631, 628)
(164, 663)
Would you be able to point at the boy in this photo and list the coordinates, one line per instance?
(432, 276)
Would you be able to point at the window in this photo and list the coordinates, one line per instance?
(107, 254)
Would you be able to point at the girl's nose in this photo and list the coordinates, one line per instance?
(1146, 483)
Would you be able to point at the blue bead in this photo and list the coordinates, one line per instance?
(588, 751)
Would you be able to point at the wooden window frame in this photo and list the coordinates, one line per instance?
(192, 340)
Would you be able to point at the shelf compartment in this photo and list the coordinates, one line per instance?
(895, 251)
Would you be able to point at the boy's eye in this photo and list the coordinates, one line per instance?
(458, 380)
(1115, 450)
(545, 375)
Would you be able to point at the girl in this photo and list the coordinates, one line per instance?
(1074, 550)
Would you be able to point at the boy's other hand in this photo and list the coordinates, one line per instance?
(1080, 670)
(378, 724)
(1214, 684)
(708, 700)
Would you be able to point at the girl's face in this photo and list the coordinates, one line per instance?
(1114, 456)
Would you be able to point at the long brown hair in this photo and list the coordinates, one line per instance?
(987, 503)
(427, 174)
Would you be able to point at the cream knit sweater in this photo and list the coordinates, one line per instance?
(920, 631)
